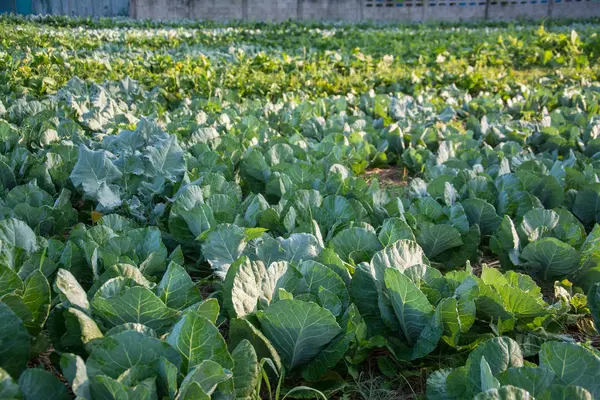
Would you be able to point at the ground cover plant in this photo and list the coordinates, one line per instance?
(193, 210)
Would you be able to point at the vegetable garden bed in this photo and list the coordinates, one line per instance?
(194, 210)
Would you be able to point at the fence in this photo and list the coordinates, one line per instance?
(278, 10)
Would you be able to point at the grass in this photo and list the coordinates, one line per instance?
(372, 385)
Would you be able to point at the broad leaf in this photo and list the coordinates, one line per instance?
(327, 359)
(243, 287)
(9, 281)
(202, 381)
(458, 317)
(73, 368)
(560, 392)
(549, 259)
(94, 172)
(438, 238)
(197, 339)
(17, 234)
(317, 276)
(483, 214)
(402, 255)
(411, 306)
(241, 329)
(533, 379)
(176, 288)
(14, 352)
(572, 364)
(500, 353)
(222, 246)
(117, 353)
(166, 382)
(36, 297)
(298, 330)
(136, 304)
(40, 384)
(394, 229)
(246, 371)
(165, 158)
(70, 291)
(488, 381)
(504, 393)
(587, 204)
(589, 261)
(538, 222)
(593, 302)
(355, 245)
(299, 247)
(8, 387)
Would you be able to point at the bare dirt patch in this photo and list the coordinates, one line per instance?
(388, 177)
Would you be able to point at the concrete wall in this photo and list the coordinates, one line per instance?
(363, 10)
(279, 10)
(515, 9)
(81, 8)
(346, 10)
(575, 9)
(217, 10)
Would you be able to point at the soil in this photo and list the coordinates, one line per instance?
(388, 177)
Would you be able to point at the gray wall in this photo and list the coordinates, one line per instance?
(347, 10)
(363, 10)
(81, 8)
